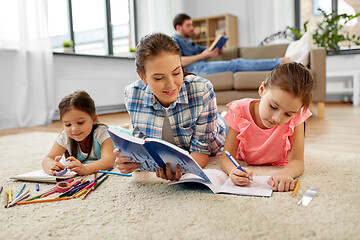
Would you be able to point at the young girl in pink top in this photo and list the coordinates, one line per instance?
(271, 130)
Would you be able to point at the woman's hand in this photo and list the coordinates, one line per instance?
(124, 164)
(76, 166)
(281, 182)
(241, 178)
(169, 175)
(56, 166)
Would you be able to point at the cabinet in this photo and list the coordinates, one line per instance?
(206, 29)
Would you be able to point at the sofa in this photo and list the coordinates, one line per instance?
(230, 86)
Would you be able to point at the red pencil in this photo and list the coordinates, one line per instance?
(87, 193)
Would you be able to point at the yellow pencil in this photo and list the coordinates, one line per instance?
(80, 193)
(10, 196)
(44, 200)
(296, 187)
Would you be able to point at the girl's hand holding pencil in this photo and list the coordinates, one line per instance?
(241, 178)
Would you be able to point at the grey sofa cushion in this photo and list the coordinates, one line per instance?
(249, 80)
(221, 81)
(264, 52)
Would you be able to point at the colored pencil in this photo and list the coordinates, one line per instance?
(21, 189)
(38, 196)
(6, 199)
(116, 173)
(49, 193)
(1, 188)
(23, 197)
(80, 193)
(98, 184)
(91, 189)
(296, 187)
(37, 187)
(99, 177)
(10, 196)
(44, 200)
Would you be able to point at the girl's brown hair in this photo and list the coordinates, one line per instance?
(81, 101)
(152, 45)
(294, 78)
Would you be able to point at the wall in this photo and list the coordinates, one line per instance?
(257, 19)
(104, 78)
(340, 63)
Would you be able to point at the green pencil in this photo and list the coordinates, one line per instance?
(38, 196)
(101, 181)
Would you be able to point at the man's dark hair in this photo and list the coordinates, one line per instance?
(179, 19)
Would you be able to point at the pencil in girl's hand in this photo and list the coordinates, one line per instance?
(232, 159)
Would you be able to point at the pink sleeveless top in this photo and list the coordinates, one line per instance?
(261, 146)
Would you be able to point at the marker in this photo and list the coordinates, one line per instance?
(115, 173)
(235, 162)
(37, 187)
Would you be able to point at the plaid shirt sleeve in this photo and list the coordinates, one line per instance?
(206, 126)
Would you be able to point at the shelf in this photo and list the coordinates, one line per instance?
(209, 27)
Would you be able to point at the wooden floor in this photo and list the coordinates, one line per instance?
(339, 131)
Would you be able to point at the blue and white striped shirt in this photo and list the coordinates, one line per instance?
(193, 115)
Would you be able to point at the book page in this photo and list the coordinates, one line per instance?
(258, 187)
(217, 178)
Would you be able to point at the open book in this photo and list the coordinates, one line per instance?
(153, 153)
(42, 176)
(221, 183)
(219, 42)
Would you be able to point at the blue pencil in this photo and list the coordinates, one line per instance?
(21, 189)
(115, 173)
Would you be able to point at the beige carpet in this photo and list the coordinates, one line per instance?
(143, 207)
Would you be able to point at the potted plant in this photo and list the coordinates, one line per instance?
(68, 46)
(328, 34)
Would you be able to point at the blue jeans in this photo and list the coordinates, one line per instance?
(202, 68)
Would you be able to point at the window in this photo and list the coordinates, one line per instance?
(308, 11)
(96, 27)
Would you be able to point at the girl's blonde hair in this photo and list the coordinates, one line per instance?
(294, 78)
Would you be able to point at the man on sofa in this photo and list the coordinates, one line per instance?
(194, 56)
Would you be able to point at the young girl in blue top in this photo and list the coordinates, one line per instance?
(168, 104)
(82, 139)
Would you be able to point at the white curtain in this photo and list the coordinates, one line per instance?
(26, 65)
